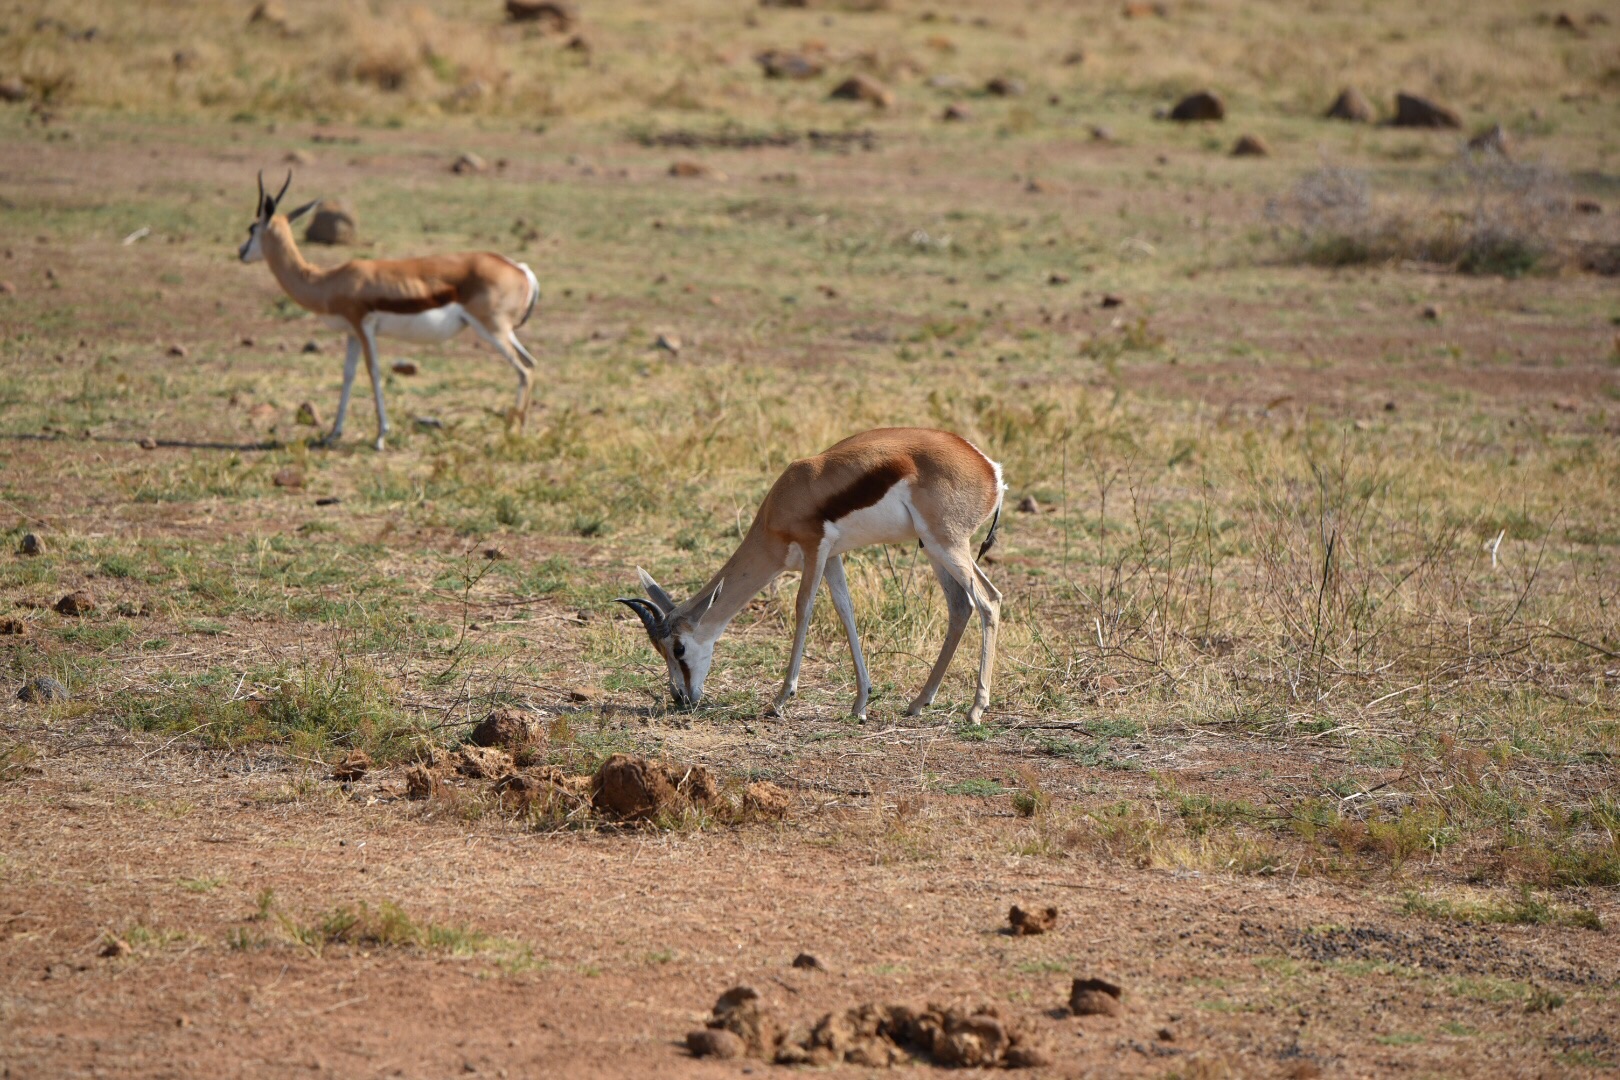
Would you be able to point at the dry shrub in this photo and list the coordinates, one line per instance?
(1485, 214)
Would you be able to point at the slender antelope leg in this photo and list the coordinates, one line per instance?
(528, 383)
(960, 606)
(838, 585)
(520, 410)
(351, 363)
(373, 365)
(803, 604)
(990, 616)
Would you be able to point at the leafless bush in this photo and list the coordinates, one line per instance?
(1485, 214)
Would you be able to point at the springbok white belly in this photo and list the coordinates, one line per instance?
(425, 327)
(887, 521)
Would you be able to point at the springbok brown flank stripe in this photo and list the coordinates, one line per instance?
(868, 490)
(414, 305)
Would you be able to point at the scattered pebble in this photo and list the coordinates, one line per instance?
(290, 477)
(42, 689)
(1251, 146)
(805, 962)
(311, 347)
(31, 545)
(670, 343)
(1201, 106)
(405, 367)
(1095, 997)
(1112, 300)
(1028, 505)
(147, 443)
(1029, 923)
(469, 163)
(1431, 312)
(76, 604)
(178, 350)
(328, 500)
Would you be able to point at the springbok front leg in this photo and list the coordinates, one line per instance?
(814, 565)
(838, 585)
(959, 605)
(351, 364)
(374, 366)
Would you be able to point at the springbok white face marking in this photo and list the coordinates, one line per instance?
(886, 486)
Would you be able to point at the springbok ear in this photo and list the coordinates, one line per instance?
(715, 595)
(302, 210)
(656, 591)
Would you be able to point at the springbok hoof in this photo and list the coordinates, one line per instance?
(378, 445)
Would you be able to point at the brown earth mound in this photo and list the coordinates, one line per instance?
(871, 1035)
(1414, 111)
(505, 728)
(1204, 105)
(635, 789)
(1025, 923)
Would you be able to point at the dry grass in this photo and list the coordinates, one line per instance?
(414, 60)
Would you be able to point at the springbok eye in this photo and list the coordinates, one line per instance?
(679, 650)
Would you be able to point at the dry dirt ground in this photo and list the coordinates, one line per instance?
(167, 904)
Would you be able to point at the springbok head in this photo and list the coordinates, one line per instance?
(678, 636)
(253, 250)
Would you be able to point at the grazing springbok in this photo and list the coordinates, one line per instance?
(428, 300)
(886, 486)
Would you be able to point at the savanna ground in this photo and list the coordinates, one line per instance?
(1305, 707)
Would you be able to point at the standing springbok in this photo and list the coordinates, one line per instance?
(428, 300)
(886, 486)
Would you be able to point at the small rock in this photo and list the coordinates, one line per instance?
(695, 170)
(863, 88)
(1142, 9)
(31, 545)
(76, 604)
(1431, 312)
(8, 288)
(13, 626)
(956, 112)
(1390, 406)
(552, 15)
(308, 415)
(1095, 997)
(1565, 404)
(1028, 505)
(1165, 1034)
(1057, 277)
(1029, 923)
(116, 947)
(1035, 187)
(1101, 133)
(1351, 106)
(178, 350)
(311, 347)
(334, 223)
(420, 782)
(147, 443)
(290, 477)
(1204, 105)
(299, 157)
(247, 343)
(1414, 111)
(405, 367)
(805, 962)
(328, 500)
(1582, 206)
(1112, 300)
(670, 343)
(1003, 86)
(469, 163)
(42, 689)
(494, 553)
(1251, 146)
(1493, 140)
(1074, 58)
(778, 64)
(270, 14)
(715, 1043)
(352, 767)
(504, 728)
(13, 89)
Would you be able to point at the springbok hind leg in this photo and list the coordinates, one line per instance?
(506, 344)
(960, 606)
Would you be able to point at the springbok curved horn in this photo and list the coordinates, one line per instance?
(260, 203)
(284, 187)
(650, 617)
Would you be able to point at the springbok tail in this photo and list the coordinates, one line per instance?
(534, 292)
(995, 521)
